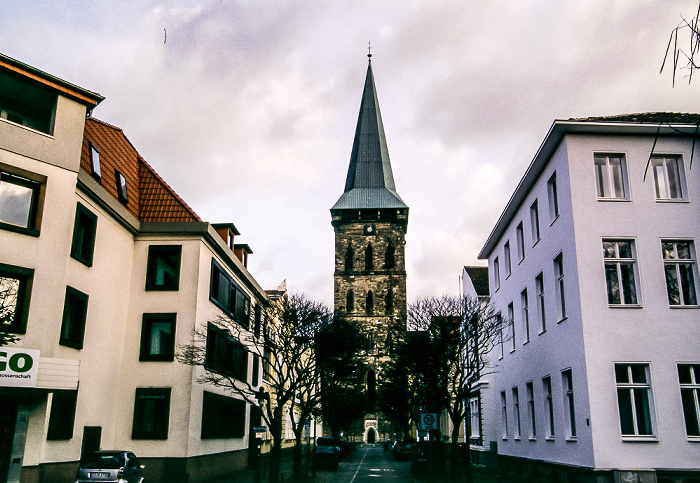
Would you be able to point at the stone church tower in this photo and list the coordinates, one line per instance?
(370, 221)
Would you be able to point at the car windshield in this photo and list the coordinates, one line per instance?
(326, 442)
(102, 461)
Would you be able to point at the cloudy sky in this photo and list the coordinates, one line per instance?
(248, 109)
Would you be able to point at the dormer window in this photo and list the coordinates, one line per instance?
(95, 160)
(27, 103)
(121, 188)
(229, 240)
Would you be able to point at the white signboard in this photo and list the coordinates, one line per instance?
(18, 367)
(428, 421)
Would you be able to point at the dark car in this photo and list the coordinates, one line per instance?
(326, 454)
(402, 450)
(110, 467)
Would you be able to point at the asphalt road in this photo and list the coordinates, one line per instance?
(368, 464)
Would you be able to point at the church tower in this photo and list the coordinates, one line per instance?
(370, 221)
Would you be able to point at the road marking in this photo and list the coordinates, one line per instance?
(360, 465)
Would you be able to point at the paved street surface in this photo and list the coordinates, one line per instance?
(368, 464)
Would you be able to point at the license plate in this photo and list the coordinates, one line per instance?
(99, 474)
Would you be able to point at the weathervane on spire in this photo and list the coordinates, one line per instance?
(369, 51)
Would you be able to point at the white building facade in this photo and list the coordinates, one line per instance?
(594, 263)
(107, 272)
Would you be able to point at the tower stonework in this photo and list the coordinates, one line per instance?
(370, 222)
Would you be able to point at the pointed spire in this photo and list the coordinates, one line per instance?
(370, 181)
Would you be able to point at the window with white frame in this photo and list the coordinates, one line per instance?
(535, 222)
(496, 274)
(634, 399)
(541, 312)
(689, 379)
(506, 258)
(559, 276)
(620, 272)
(548, 406)
(511, 326)
(680, 267)
(552, 198)
(474, 419)
(504, 416)
(668, 178)
(520, 240)
(569, 407)
(526, 316)
(516, 414)
(501, 337)
(529, 388)
(611, 176)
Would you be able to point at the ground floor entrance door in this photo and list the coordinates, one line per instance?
(8, 420)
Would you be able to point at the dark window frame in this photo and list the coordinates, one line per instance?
(73, 335)
(84, 235)
(156, 252)
(62, 415)
(168, 354)
(161, 422)
(35, 182)
(122, 189)
(223, 417)
(25, 277)
(225, 355)
(95, 161)
(226, 294)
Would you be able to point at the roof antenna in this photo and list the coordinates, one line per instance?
(369, 51)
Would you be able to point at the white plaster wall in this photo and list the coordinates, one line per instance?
(654, 333)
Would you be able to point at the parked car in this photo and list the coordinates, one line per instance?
(110, 467)
(326, 454)
(402, 450)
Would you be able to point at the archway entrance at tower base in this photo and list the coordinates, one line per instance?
(371, 435)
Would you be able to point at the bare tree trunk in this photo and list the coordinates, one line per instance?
(298, 455)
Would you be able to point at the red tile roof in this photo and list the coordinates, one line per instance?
(150, 198)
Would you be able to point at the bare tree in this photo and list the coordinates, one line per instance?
(687, 33)
(286, 349)
(8, 304)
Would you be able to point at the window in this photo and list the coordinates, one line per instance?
(369, 257)
(689, 379)
(541, 312)
(668, 178)
(27, 102)
(151, 413)
(620, 268)
(561, 298)
(350, 304)
(228, 296)
(520, 241)
(267, 362)
(535, 222)
(496, 274)
(531, 409)
(95, 160)
(511, 326)
(15, 293)
(62, 415)
(84, 230)
(390, 255)
(548, 406)
(611, 176)
(504, 416)
(21, 200)
(634, 399)
(222, 417)
(501, 337)
(163, 269)
(389, 305)
(568, 385)
(74, 315)
(257, 324)
(349, 258)
(158, 337)
(225, 355)
(526, 316)
(552, 197)
(516, 414)
(122, 193)
(370, 303)
(255, 381)
(474, 421)
(506, 258)
(679, 265)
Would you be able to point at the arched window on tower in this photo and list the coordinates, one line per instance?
(389, 305)
(390, 255)
(349, 258)
(350, 306)
(369, 306)
(369, 257)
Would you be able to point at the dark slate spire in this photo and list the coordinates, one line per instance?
(370, 182)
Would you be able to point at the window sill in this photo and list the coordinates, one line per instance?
(572, 439)
(550, 439)
(19, 229)
(516, 439)
(681, 307)
(534, 440)
(672, 200)
(562, 320)
(640, 439)
(694, 439)
(554, 220)
(536, 242)
(542, 332)
(625, 306)
(615, 200)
